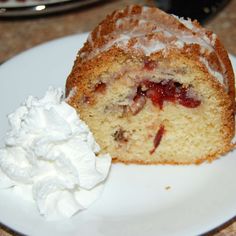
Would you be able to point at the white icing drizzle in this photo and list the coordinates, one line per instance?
(71, 94)
(145, 9)
(213, 39)
(150, 35)
(90, 40)
(214, 73)
(210, 41)
(154, 46)
(119, 23)
(179, 44)
(99, 31)
(142, 27)
(122, 36)
(188, 23)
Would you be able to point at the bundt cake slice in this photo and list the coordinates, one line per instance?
(154, 88)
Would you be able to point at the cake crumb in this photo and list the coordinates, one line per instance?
(120, 135)
(167, 187)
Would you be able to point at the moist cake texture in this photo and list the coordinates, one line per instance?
(154, 88)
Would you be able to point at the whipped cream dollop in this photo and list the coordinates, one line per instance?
(50, 157)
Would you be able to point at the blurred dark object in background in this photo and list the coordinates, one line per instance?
(24, 8)
(202, 10)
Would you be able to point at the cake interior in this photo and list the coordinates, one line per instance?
(157, 111)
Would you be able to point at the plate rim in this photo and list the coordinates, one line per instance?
(40, 9)
(233, 61)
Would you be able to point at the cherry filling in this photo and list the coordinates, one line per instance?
(166, 90)
(150, 65)
(100, 87)
(158, 138)
(158, 93)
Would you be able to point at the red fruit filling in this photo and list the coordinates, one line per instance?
(101, 87)
(158, 138)
(166, 90)
(150, 65)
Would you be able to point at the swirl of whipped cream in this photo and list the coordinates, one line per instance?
(50, 157)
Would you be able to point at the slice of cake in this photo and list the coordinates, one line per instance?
(154, 88)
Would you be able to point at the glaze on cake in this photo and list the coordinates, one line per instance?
(154, 88)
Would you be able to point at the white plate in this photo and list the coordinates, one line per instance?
(135, 200)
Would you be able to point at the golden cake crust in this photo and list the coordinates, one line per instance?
(105, 50)
(103, 34)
